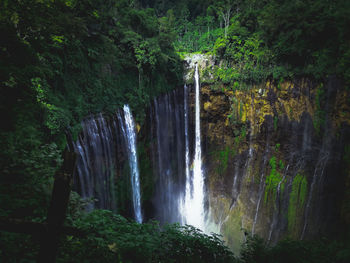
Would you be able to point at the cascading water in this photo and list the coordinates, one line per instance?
(317, 177)
(260, 192)
(130, 139)
(168, 155)
(189, 185)
(260, 195)
(104, 148)
(96, 163)
(193, 210)
(276, 212)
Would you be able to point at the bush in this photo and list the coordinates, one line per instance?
(112, 238)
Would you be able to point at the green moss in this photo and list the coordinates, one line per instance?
(279, 83)
(146, 171)
(240, 110)
(222, 157)
(277, 147)
(282, 188)
(243, 133)
(275, 123)
(236, 111)
(235, 85)
(281, 164)
(296, 200)
(272, 180)
(346, 156)
(272, 163)
(232, 231)
(319, 117)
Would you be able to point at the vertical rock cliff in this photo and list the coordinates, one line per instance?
(276, 158)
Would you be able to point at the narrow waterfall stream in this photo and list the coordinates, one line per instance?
(189, 185)
(128, 127)
(194, 197)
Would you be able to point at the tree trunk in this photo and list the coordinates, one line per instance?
(58, 208)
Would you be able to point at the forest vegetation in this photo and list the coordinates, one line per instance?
(63, 60)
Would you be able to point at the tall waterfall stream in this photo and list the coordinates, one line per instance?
(129, 134)
(193, 211)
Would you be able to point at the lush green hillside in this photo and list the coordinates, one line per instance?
(264, 39)
(61, 61)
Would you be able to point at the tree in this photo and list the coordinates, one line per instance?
(225, 10)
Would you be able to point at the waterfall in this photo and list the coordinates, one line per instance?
(261, 190)
(322, 161)
(276, 211)
(189, 186)
(168, 150)
(260, 195)
(194, 197)
(96, 163)
(129, 134)
(317, 177)
(98, 148)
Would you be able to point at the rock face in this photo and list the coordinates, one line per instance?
(205, 62)
(275, 158)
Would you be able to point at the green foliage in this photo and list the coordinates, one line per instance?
(17, 248)
(296, 200)
(319, 117)
(246, 58)
(147, 179)
(61, 61)
(312, 46)
(272, 180)
(222, 158)
(72, 58)
(236, 111)
(112, 238)
(274, 39)
(277, 147)
(281, 164)
(256, 250)
(275, 123)
(26, 179)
